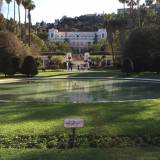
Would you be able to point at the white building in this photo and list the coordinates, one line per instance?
(79, 41)
(123, 11)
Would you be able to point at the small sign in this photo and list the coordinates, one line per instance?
(73, 123)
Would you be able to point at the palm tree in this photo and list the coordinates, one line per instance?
(110, 26)
(14, 10)
(1, 1)
(124, 4)
(19, 12)
(8, 2)
(139, 16)
(30, 7)
(25, 4)
(19, 15)
(132, 3)
(150, 2)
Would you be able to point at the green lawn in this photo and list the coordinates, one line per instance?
(105, 73)
(62, 74)
(101, 73)
(112, 119)
(130, 118)
(83, 154)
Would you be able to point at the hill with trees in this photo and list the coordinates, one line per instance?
(89, 22)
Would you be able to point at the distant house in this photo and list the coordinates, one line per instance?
(123, 10)
(79, 41)
(158, 1)
(157, 6)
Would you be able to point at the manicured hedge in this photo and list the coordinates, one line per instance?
(62, 141)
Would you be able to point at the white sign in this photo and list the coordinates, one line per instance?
(73, 123)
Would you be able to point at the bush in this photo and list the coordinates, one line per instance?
(62, 141)
(143, 49)
(95, 61)
(9, 65)
(10, 51)
(57, 61)
(137, 48)
(156, 65)
(29, 66)
(128, 66)
(10, 45)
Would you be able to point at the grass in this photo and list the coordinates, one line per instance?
(63, 74)
(113, 119)
(100, 73)
(105, 73)
(82, 154)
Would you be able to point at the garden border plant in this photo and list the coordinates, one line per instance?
(62, 141)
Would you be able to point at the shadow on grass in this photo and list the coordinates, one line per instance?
(112, 119)
(87, 154)
(105, 73)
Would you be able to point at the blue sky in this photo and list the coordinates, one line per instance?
(49, 10)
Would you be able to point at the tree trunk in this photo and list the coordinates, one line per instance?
(113, 56)
(124, 9)
(25, 26)
(139, 14)
(14, 10)
(19, 13)
(1, 1)
(29, 29)
(25, 16)
(8, 12)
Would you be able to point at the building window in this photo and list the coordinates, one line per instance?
(51, 35)
(103, 35)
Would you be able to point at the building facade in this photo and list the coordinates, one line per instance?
(123, 11)
(79, 41)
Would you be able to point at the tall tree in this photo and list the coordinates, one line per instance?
(14, 10)
(1, 1)
(149, 2)
(8, 3)
(124, 4)
(19, 12)
(19, 2)
(30, 7)
(25, 4)
(131, 4)
(110, 26)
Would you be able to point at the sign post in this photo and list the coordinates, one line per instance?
(73, 124)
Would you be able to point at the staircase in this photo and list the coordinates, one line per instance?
(77, 59)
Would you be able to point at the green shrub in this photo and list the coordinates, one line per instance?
(57, 61)
(29, 66)
(143, 49)
(11, 51)
(62, 141)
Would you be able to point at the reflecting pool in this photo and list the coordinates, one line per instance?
(79, 91)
